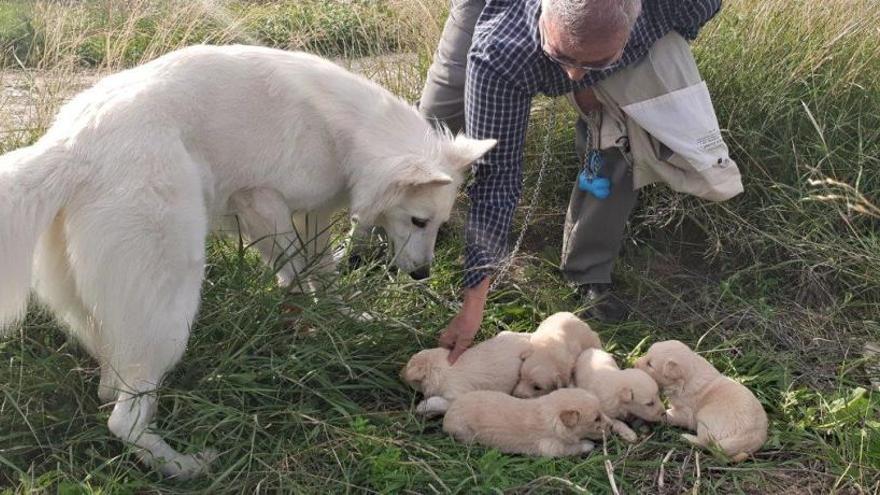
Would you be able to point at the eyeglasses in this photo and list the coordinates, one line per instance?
(599, 66)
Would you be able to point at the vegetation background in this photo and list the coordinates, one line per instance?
(778, 287)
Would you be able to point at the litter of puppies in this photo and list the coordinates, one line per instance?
(552, 392)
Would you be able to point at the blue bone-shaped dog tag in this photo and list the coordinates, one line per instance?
(600, 187)
(589, 180)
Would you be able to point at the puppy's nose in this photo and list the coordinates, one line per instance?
(421, 273)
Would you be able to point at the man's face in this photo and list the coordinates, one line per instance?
(577, 55)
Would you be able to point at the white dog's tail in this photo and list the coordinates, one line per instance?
(35, 183)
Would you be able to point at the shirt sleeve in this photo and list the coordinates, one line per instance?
(495, 108)
(693, 14)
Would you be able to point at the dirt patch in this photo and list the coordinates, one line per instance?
(30, 98)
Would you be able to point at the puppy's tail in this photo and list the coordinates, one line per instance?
(35, 183)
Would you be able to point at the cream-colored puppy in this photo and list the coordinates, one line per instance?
(490, 365)
(558, 424)
(622, 393)
(556, 345)
(724, 413)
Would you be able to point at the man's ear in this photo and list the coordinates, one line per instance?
(465, 151)
(671, 369)
(626, 395)
(569, 418)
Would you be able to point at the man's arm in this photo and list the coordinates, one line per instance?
(495, 109)
(693, 14)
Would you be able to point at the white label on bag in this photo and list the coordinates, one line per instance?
(684, 120)
(711, 141)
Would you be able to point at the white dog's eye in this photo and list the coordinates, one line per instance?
(650, 404)
(420, 222)
(649, 364)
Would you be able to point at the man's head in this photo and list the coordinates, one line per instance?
(582, 35)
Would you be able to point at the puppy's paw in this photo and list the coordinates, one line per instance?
(432, 407)
(628, 435)
(188, 466)
(692, 439)
(587, 446)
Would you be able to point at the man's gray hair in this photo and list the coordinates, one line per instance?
(581, 18)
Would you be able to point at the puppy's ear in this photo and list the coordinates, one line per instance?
(569, 418)
(526, 354)
(415, 373)
(671, 369)
(562, 380)
(626, 395)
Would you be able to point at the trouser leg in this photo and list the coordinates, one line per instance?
(442, 97)
(594, 227)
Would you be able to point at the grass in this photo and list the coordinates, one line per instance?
(778, 288)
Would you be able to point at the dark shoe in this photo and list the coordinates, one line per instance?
(602, 304)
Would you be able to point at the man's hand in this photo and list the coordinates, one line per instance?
(459, 335)
(587, 101)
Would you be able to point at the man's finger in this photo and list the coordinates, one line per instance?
(460, 346)
(447, 339)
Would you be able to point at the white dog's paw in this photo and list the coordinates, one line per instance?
(188, 466)
(361, 317)
(432, 407)
(587, 446)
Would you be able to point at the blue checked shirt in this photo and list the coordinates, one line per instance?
(506, 68)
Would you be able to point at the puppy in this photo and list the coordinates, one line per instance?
(490, 365)
(558, 424)
(723, 412)
(556, 345)
(622, 393)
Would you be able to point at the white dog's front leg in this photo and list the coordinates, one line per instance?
(265, 221)
(433, 407)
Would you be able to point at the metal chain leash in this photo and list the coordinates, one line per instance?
(545, 159)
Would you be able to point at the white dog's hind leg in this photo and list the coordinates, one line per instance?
(139, 267)
(55, 286)
(266, 222)
(130, 421)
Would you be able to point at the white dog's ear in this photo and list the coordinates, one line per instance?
(671, 369)
(465, 151)
(570, 418)
(422, 175)
(626, 395)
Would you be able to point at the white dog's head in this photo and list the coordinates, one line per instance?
(414, 195)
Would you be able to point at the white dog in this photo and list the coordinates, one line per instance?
(111, 207)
